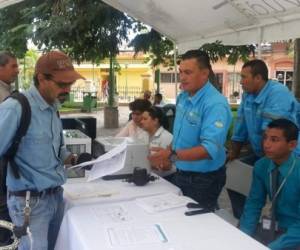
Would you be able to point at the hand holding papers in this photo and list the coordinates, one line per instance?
(106, 164)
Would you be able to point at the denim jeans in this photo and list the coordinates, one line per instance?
(204, 188)
(45, 219)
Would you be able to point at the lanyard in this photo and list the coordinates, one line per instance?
(281, 185)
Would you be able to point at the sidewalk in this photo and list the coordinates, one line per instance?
(224, 201)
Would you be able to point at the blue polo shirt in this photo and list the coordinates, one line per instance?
(202, 120)
(274, 101)
(288, 202)
(40, 166)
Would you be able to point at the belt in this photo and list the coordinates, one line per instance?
(184, 172)
(35, 193)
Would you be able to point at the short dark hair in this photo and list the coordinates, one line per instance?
(201, 57)
(157, 113)
(140, 105)
(258, 67)
(290, 129)
(5, 56)
(159, 95)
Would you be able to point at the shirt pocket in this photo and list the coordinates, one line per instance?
(191, 128)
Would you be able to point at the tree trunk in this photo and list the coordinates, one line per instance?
(111, 117)
(296, 76)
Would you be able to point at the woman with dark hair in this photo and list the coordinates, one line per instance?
(133, 128)
(155, 122)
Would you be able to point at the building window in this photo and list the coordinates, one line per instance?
(219, 82)
(285, 77)
(168, 77)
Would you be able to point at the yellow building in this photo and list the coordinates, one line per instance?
(133, 78)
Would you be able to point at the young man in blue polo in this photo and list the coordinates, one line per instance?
(276, 175)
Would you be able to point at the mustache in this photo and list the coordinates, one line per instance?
(63, 94)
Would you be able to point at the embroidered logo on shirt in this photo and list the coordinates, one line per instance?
(219, 124)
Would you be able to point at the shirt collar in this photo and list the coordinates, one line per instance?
(6, 86)
(33, 91)
(284, 167)
(158, 132)
(198, 95)
(262, 93)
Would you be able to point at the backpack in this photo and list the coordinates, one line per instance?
(11, 152)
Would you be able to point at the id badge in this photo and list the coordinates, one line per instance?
(266, 223)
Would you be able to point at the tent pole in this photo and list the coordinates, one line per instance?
(259, 43)
(176, 69)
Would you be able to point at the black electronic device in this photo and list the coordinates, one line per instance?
(140, 177)
(84, 157)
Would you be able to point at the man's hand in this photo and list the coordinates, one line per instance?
(231, 156)
(71, 160)
(234, 150)
(159, 158)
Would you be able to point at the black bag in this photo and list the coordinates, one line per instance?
(9, 157)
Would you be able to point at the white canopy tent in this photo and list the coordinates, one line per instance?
(190, 23)
(4, 3)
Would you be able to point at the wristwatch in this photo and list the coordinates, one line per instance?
(173, 156)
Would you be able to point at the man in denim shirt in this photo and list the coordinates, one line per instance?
(41, 154)
(263, 101)
(202, 120)
(280, 229)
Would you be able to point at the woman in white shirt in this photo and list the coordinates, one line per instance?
(133, 128)
(154, 121)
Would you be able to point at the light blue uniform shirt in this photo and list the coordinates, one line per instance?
(288, 201)
(257, 111)
(202, 120)
(37, 157)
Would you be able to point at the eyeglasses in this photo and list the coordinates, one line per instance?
(62, 85)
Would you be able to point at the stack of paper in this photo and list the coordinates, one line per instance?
(161, 202)
(88, 190)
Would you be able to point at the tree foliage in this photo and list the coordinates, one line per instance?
(85, 29)
(218, 51)
(15, 28)
(162, 49)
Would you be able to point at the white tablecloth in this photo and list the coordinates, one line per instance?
(79, 192)
(111, 226)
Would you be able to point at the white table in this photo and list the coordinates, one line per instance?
(95, 227)
(101, 191)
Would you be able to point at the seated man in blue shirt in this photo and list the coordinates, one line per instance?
(280, 229)
(202, 119)
(263, 100)
(41, 154)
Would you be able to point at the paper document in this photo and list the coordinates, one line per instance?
(83, 190)
(135, 235)
(106, 164)
(161, 202)
(112, 214)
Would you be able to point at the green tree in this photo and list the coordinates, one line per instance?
(87, 30)
(161, 49)
(27, 65)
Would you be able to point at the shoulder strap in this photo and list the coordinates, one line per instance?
(21, 131)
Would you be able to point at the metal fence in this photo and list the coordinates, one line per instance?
(125, 94)
(128, 94)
